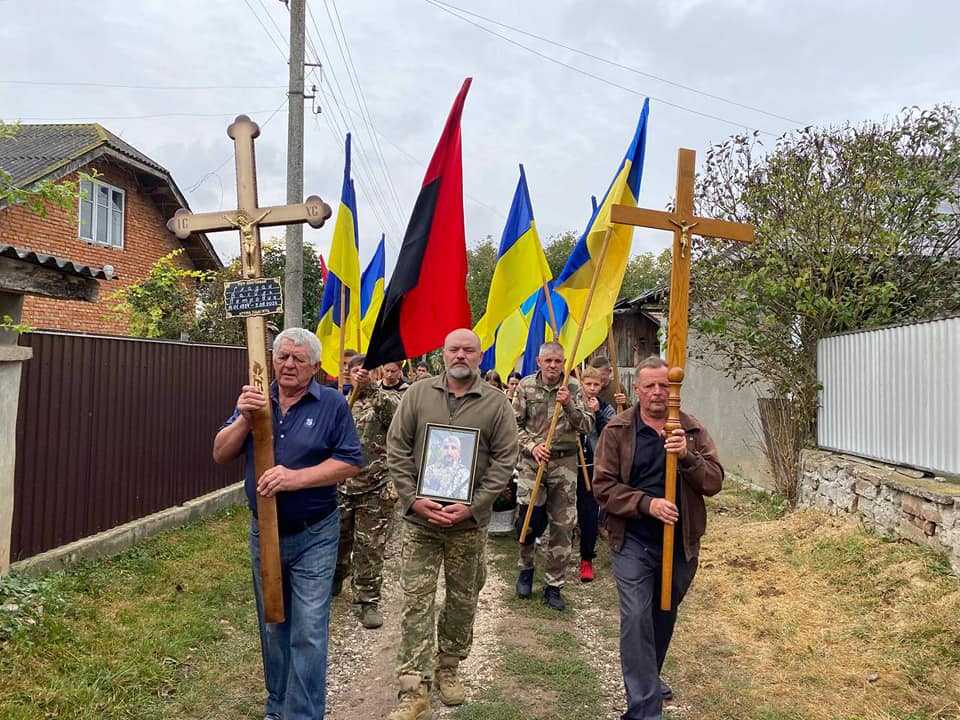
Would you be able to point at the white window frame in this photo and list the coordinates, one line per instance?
(91, 236)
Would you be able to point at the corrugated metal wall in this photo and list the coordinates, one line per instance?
(893, 394)
(113, 429)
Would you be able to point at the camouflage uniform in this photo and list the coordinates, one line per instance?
(399, 387)
(367, 500)
(463, 554)
(556, 501)
(447, 479)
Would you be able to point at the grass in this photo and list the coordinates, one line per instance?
(792, 616)
(133, 636)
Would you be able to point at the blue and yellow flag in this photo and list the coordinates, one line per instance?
(573, 285)
(371, 293)
(343, 279)
(521, 266)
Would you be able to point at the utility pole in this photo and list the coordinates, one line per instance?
(293, 274)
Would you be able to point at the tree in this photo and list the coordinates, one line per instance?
(645, 272)
(481, 260)
(212, 323)
(856, 227)
(162, 305)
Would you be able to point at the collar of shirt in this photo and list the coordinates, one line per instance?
(312, 389)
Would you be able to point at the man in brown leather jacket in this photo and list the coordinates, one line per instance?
(628, 483)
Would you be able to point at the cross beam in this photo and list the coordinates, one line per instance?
(682, 223)
(248, 218)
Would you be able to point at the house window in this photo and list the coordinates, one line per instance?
(101, 213)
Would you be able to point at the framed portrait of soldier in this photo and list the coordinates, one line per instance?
(449, 463)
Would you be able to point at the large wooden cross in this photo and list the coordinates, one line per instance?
(681, 222)
(248, 218)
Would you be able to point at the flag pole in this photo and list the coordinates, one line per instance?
(566, 379)
(556, 337)
(343, 331)
(612, 352)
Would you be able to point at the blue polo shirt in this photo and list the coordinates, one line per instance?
(318, 427)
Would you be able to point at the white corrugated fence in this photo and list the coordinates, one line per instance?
(893, 394)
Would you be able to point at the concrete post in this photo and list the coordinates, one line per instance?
(12, 357)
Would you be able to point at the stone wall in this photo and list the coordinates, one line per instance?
(893, 501)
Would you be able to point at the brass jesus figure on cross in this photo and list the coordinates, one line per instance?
(248, 219)
(681, 222)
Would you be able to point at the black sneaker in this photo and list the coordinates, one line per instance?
(525, 583)
(551, 596)
(666, 692)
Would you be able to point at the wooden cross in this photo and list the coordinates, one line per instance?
(248, 218)
(681, 222)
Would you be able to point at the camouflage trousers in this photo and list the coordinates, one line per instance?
(556, 505)
(364, 529)
(463, 556)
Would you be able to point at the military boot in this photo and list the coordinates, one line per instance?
(525, 583)
(414, 700)
(370, 616)
(447, 681)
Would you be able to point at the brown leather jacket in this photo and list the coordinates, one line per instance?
(700, 474)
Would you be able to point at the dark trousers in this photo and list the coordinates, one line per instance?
(588, 518)
(645, 629)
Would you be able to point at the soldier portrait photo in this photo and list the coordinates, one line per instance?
(448, 464)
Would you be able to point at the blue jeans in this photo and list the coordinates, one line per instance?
(645, 629)
(295, 651)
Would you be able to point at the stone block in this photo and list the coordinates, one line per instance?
(909, 531)
(867, 488)
(921, 508)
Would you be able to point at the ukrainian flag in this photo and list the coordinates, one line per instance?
(521, 266)
(344, 273)
(371, 293)
(574, 281)
(540, 330)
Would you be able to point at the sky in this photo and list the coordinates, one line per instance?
(168, 76)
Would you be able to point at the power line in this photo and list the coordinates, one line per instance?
(358, 92)
(595, 76)
(339, 103)
(72, 83)
(280, 50)
(97, 118)
(619, 65)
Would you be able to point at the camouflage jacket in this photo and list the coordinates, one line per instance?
(372, 413)
(533, 405)
(399, 387)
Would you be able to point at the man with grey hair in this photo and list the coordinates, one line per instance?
(315, 447)
(556, 501)
(451, 535)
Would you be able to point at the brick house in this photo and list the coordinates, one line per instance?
(119, 221)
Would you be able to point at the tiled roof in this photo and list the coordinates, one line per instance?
(37, 151)
(65, 266)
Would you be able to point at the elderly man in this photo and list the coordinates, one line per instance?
(556, 501)
(628, 482)
(367, 500)
(315, 447)
(453, 535)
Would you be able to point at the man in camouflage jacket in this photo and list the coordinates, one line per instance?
(556, 501)
(367, 500)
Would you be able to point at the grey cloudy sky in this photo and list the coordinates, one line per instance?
(814, 62)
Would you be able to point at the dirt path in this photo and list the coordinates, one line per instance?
(362, 681)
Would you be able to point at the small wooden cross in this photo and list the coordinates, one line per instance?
(248, 219)
(681, 222)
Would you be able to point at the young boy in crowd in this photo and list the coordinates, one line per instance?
(587, 509)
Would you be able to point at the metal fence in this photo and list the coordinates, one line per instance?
(113, 429)
(893, 394)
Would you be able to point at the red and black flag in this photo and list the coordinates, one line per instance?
(427, 294)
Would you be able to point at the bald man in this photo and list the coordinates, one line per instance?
(448, 534)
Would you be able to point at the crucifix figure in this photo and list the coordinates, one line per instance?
(248, 219)
(681, 222)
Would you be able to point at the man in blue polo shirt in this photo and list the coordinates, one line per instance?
(315, 447)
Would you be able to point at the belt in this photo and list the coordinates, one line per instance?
(562, 453)
(288, 527)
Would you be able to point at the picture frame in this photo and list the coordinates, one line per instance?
(448, 463)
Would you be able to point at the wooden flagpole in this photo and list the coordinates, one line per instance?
(612, 352)
(566, 379)
(343, 334)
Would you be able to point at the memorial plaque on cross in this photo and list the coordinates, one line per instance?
(248, 218)
(682, 223)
